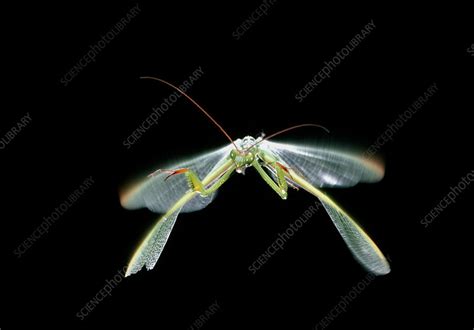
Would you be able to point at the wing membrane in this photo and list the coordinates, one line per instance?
(159, 195)
(359, 243)
(153, 244)
(172, 197)
(150, 249)
(325, 167)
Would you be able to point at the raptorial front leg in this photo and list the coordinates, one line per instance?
(281, 186)
(196, 184)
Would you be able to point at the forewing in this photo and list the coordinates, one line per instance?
(159, 195)
(360, 244)
(325, 167)
(151, 247)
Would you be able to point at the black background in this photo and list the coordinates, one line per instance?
(248, 86)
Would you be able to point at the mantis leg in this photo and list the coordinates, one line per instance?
(196, 184)
(282, 187)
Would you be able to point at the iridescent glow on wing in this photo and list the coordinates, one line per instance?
(159, 195)
(359, 243)
(325, 167)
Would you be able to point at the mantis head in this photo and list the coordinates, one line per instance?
(244, 155)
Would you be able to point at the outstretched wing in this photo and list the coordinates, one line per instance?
(150, 249)
(174, 196)
(359, 243)
(153, 244)
(325, 167)
(159, 195)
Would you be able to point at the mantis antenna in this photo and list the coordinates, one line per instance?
(197, 105)
(286, 130)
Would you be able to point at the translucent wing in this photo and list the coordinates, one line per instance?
(150, 249)
(324, 167)
(159, 195)
(359, 243)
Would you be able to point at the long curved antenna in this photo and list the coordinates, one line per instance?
(286, 130)
(197, 105)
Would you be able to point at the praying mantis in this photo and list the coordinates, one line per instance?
(192, 185)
